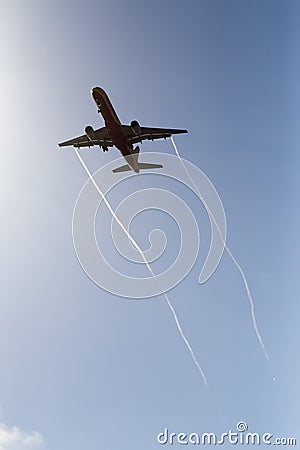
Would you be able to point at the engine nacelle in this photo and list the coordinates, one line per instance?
(89, 131)
(135, 126)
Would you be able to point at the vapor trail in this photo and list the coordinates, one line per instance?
(135, 244)
(229, 253)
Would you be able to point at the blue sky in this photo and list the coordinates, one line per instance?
(82, 367)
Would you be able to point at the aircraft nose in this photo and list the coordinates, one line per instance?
(97, 96)
(94, 92)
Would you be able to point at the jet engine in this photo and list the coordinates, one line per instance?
(135, 126)
(90, 132)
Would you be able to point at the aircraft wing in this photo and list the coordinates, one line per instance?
(149, 133)
(100, 138)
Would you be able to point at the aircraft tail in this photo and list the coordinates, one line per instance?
(141, 166)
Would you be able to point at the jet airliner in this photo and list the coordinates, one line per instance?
(121, 136)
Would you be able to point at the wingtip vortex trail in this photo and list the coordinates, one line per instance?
(238, 266)
(135, 244)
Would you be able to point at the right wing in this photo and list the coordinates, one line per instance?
(148, 133)
(101, 138)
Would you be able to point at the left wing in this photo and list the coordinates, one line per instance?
(100, 137)
(148, 133)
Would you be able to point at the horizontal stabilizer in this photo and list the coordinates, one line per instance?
(142, 166)
(149, 166)
(125, 168)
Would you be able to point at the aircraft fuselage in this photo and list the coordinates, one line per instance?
(113, 126)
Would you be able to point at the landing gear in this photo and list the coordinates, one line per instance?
(104, 148)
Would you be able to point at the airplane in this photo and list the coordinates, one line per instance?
(121, 136)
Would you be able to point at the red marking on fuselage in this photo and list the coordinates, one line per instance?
(112, 122)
